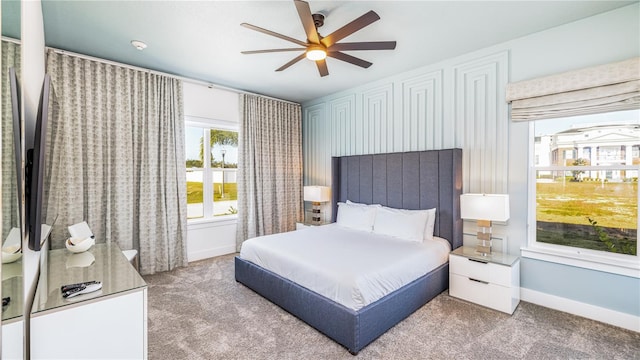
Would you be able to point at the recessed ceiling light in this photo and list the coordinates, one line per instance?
(138, 44)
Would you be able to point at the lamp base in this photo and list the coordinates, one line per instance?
(484, 250)
(316, 218)
(484, 238)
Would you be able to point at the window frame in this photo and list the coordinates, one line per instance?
(207, 176)
(628, 265)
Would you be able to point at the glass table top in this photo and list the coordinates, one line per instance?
(102, 262)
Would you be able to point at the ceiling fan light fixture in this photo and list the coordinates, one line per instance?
(317, 47)
(316, 53)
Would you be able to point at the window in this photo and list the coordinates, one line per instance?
(212, 162)
(586, 185)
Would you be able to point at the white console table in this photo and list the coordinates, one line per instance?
(110, 323)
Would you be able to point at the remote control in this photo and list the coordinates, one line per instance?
(72, 291)
(65, 288)
(82, 290)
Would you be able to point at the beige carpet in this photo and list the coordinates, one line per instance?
(200, 312)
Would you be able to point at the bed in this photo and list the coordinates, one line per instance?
(410, 180)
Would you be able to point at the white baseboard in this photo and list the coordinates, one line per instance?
(209, 253)
(607, 316)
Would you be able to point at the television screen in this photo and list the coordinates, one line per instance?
(36, 169)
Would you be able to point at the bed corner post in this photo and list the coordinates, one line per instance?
(335, 187)
(457, 191)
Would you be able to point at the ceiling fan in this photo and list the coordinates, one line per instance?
(318, 47)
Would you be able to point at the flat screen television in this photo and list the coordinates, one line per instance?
(35, 170)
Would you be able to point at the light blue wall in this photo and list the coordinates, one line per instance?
(615, 292)
(609, 37)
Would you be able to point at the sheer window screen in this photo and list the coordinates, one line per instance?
(604, 88)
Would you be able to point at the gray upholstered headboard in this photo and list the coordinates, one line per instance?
(410, 180)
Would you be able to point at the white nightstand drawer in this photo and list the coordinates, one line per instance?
(481, 270)
(463, 288)
(483, 293)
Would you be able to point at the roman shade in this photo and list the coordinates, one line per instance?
(603, 88)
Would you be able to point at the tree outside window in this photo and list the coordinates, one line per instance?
(211, 172)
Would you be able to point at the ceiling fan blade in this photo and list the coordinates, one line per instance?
(371, 45)
(350, 59)
(350, 28)
(307, 21)
(269, 32)
(270, 51)
(322, 67)
(295, 60)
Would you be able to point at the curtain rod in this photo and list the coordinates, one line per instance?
(11, 40)
(155, 72)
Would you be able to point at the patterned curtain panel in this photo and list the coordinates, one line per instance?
(604, 88)
(10, 217)
(269, 167)
(116, 159)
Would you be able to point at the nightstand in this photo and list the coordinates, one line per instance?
(492, 280)
(300, 225)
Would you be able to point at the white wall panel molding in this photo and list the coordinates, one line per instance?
(456, 103)
(344, 132)
(316, 146)
(422, 112)
(481, 117)
(377, 117)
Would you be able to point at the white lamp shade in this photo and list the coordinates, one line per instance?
(494, 207)
(317, 193)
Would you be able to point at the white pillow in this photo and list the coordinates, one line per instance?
(361, 204)
(431, 223)
(356, 217)
(402, 224)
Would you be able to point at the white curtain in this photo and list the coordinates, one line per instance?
(269, 167)
(10, 217)
(116, 158)
(604, 88)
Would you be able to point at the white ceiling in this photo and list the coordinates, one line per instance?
(203, 39)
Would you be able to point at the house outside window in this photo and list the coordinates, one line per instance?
(211, 164)
(586, 185)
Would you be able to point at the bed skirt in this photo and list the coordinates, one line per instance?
(350, 328)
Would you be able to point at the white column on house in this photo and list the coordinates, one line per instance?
(628, 151)
(593, 160)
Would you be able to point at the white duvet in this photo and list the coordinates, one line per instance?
(351, 267)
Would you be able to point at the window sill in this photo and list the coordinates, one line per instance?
(215, 221)
(614, 263)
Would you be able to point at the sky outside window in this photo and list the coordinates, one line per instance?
(192, 150)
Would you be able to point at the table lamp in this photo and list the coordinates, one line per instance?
(484, 208)
(317, 195)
